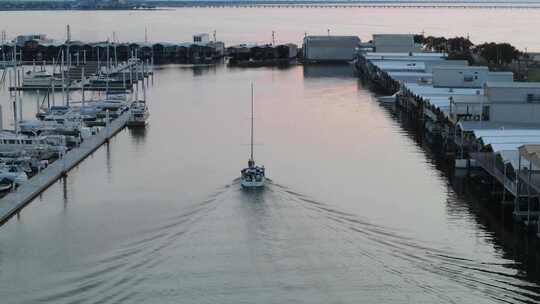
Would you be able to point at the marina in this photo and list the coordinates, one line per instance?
(395, 173)
(64, 135)
(16, 200)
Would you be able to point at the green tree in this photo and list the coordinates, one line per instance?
(498, 53)
(419, 38)
(459, 45)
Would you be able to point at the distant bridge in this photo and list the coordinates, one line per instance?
(348, 4)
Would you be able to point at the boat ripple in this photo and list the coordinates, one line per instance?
(285, 234)
(501, 282)
(113, 277)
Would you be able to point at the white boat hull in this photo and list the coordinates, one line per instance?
(21, 178)
(16, 177)
(252, 184)
(5, 187)
(138, 121)
(41, 83)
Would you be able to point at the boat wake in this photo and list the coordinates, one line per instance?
(115, 276)
(289, 244)
(501, 282)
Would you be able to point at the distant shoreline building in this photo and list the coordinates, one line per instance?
(330, 48)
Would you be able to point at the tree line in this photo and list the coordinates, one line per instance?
(463, 48)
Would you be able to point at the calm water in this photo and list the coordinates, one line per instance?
(356, 210)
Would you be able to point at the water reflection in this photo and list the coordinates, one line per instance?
(253, 197)
(108, 162)
(328, 70)
(510, 238)
(65, 191)
(138, 135)
(201, 70)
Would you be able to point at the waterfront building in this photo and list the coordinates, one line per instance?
(330, 48)
(467, 76)
(514, 102)
(201, 38)
(395, 43)
(480, 117)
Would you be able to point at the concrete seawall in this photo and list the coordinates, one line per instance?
(15, 201)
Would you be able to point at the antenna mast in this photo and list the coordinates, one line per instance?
(145, 34)
(68, 33)
(251, 121)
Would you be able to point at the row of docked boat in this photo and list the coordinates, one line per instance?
(119, 76)
(22, 156)
(57, 129)
(45, 80)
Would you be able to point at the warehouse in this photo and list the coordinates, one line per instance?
(330, 48)
(395, 43)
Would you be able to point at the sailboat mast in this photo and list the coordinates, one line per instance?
(252, 121)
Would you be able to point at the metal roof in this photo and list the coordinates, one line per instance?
(508, 84)
(461, 68)
(507, 139)
(496, 147)
(429, 90)
(410, 76)
(519, 139)
(390, 65)
(531, 153)
(460, 99)
(512, 157)
(504, 133)
(471, 126)
(424, 56)
(406, 73)
(326, 37)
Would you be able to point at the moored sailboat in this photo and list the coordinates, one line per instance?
(138, 110)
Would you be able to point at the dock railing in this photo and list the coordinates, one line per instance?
(488, 162)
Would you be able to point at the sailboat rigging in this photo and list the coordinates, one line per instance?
(253, 176)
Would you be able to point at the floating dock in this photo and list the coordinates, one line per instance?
(12, 203)
(74, 88)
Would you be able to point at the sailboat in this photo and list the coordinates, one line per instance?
(138, 110)
(253, 176)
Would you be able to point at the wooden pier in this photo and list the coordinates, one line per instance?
(114, 88)
(13, 202)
